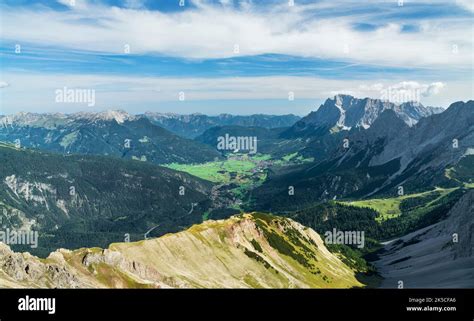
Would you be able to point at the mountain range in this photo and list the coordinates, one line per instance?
(191, 126)
(344, 112)
(165, 137)
(322, 129)
(87, 180)
(376, 161)
(111, 133)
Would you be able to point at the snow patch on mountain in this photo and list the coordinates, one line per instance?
(119, 116)
(52, 120)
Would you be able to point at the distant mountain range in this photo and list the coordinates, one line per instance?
(193, 125)
(111, 133)
(154, 137)
(161, 137)
(319, 131)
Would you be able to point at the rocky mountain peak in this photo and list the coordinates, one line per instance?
(341, 100)
(344, 112)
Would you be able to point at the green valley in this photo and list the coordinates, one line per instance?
(238, 174)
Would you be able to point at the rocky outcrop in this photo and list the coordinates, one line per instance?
(25, 270)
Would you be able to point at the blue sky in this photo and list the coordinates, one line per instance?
(232, 56)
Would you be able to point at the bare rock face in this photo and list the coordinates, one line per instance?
(440, 255)
(346, 112)
(105, 256)
(249, 250)
(25, 270)
(433, 135)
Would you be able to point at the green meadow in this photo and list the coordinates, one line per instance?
(389, 208)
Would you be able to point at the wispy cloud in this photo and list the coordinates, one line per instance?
(36, 92)
(143, 53)
(215, 31)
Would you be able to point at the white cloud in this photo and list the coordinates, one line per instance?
(4, 84)
(466, 4)
(396, 92)
(425, 90)
(212, 31)
(36, 92)
(434, 88)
